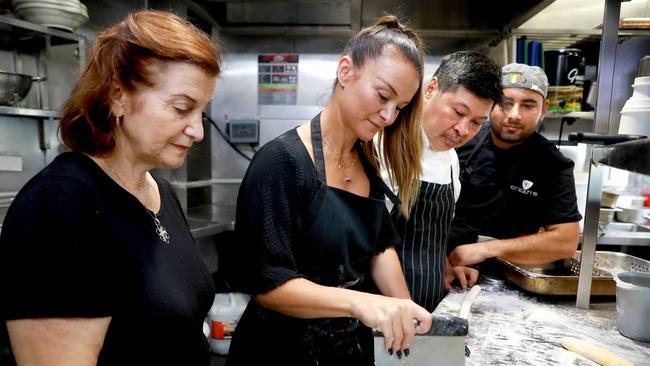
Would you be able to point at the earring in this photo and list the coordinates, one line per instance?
(117, 121)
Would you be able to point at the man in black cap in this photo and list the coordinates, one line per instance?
(517, 186)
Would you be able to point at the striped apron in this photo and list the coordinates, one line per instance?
(424, 242)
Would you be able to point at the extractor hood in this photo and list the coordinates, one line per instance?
(442, 23)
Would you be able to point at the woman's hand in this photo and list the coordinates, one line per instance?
(398, 319)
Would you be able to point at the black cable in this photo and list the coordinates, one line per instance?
(223, 135)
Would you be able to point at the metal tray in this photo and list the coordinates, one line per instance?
(561, 277)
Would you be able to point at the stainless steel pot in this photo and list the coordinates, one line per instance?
(632, 304)
(14, 87)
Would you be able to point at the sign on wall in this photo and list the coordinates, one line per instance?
(277, 82)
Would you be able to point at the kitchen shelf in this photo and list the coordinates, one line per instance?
(206, 182)
(26, 29)
(572, 38)
(210, 219)
(200, 227)
(28, 112)
(626, 238)
(576, 115)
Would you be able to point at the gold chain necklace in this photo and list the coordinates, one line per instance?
(160, 229)
(340, 163)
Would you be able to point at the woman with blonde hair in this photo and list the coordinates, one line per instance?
(314, 236)
(97, 263)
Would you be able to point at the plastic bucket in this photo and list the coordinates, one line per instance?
(633, 304)
(223, 317)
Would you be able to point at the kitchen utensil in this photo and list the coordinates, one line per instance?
(444, 344)
(601, 138)
(599, 355)
(608, 199)
(631, 201)
(635, 215)
(14, 87)
(561, 277)
(52, 15)
(607, 214)
(633, 304)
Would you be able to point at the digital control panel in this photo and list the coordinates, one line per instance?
(246, 131)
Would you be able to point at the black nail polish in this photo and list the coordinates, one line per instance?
(406, 352)
(390, 351)
(399, 354)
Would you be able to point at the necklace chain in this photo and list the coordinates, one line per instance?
(160, 229)
(340, 162)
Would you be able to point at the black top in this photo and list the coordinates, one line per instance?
(273, 208)
(291, 224)
(76, 244)
(512, 192)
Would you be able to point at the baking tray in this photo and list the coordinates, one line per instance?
(561, 277)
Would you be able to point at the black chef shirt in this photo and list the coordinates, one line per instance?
(512, 192)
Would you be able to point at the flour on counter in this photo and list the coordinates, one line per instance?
(508, 326)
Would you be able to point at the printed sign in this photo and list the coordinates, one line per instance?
(277, 82)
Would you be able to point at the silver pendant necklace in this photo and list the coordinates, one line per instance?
(160, 229)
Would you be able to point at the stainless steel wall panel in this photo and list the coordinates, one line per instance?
(19, 137)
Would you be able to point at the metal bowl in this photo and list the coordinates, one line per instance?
(13, 87)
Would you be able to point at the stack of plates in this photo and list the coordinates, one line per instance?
(63, 14)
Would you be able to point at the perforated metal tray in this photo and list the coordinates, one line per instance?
(561, 277)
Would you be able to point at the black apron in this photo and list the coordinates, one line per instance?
(424, 242)
(484, 213)
(340, 242)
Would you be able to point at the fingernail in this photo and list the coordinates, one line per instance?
(399, 354)
(406, 352)
(390, 351)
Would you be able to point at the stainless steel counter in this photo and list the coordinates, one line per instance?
(508, 326)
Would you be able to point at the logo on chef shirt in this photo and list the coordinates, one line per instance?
(525, 188)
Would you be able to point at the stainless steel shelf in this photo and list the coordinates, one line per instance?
(201, 228)
(565, 38)
(8, 21)
(577, 115)
(209, 220)
(634, 238)
(28, 112)
(206, 182)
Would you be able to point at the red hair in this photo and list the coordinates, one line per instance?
(120, 54)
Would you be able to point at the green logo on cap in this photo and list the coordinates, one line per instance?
(514, 77)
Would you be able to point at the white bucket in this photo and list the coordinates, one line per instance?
(223, 317)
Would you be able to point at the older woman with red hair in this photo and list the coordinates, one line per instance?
(97, 263)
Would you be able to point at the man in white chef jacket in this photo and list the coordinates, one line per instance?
(457, 102)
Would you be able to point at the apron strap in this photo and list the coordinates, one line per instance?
(372, 175)
(453, 189)
(317, 146)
